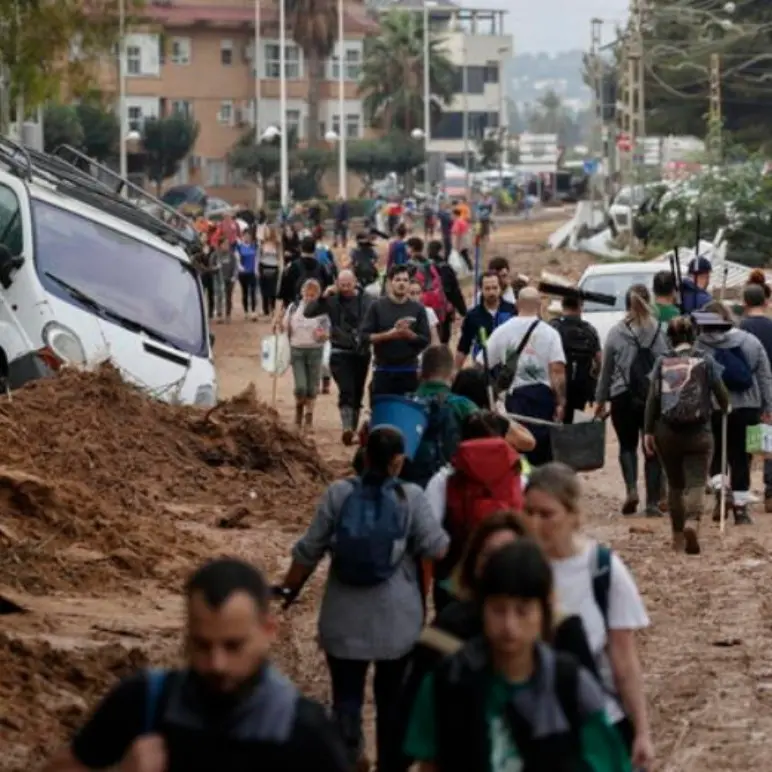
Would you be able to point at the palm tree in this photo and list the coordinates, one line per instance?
(392, 74)
(314, 25)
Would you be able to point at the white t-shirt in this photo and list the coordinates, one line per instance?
(544, 348)
(431, 315)
(509, 296)
(437, 492)
(573, 583)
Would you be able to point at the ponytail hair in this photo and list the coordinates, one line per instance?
(758, 278)
(638, 305)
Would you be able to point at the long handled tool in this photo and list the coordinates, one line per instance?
(724, 475)
(482, 337)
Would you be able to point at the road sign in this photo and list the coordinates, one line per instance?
(539, 153)
(591, 166)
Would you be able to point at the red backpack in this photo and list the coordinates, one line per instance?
(433, 294)
(486, 479)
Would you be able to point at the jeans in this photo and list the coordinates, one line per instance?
(306, 370)
(341, 234)
(738, 460)
(397, 383)
(207, 282)
(269, 283)
(248, 283)
(224, 297)
(349, 371)
(537, 401)
(348, 677)
(768, 478)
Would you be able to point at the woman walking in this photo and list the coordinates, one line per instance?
(247, 252)
(748, 378)
(307, 337)
(268, 269)
(631, 350)
(678, 427)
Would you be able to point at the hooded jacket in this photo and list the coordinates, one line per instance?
(759, 396)
(692, 297)
(622, 344)
(485, 479)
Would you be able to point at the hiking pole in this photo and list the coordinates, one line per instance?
(723, 281)
(483, 338)
(722, 505)
(275, 373)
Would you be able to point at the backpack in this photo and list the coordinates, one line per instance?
(397, 253)
(684, 391)
(601, 579)
(508, 371)
(433, 295)
(581, 346)
(640, 370)
(370, 533)
(438, 442)
(737, 375)
(324, 256)
(364, 261)
(156, 679)
(317, 271)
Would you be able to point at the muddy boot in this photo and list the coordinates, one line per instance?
(741, 515)
(768, 504)
(300, 406)
(629, 462)
(691, 537)
(717, 505)
(309, 418)
(326, 385)
(652, 472)
(347, 422)
(679, 542)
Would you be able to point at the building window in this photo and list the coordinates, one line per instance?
(182, 107)
(226, 52)
(293, 122)
(451, 125)
(135, 118)
(492, 72)
(336, 124)
(133, 60)
(225, 113)
(216, 172)
(291, 61)
(180, 51)
(352, 126)
(353, 64)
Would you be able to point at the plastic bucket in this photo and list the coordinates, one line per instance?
(403, 414)
(582, 446)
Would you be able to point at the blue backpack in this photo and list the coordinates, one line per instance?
(370, 533)
(737, 375)
(324, 256)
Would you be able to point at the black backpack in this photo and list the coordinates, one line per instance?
(581, 346)
(640, 370)
(307, 271)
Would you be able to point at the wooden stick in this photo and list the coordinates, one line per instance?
(722, 509)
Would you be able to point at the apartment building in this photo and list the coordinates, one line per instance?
(199, 59)
(476, 43)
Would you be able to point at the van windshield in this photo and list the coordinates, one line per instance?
(615, 284)
(128, 278)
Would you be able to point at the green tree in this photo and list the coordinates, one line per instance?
(314, 25)
(309, 165)
(489, 150)
(260, 163)
(392, 74)
(165, 143)
(61, 126)
(101, 130)
(369, 158)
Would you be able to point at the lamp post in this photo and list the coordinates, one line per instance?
(427, 94)
(283, 147)
(256, 59)
(123, 135)
(341, 105)
(332, 136)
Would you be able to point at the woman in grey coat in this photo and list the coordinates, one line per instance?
(631, 349)
(748, 378)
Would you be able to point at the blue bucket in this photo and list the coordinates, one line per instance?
(406, 415)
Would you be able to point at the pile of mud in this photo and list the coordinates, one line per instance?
(94, 476)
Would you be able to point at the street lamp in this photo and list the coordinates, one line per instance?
(284, 149)
(418, 134)
(133, 136)
(341, 106)
(123, 128)
(333, 136)
(427, 94)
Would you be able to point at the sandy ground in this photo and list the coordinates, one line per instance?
(706, 656)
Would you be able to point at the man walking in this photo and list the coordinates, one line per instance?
(346, 306)
(398, 329)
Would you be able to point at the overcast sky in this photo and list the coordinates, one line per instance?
(553, 25)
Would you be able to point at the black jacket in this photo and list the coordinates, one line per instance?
(451, 287)
(305, 267)
(346, 317)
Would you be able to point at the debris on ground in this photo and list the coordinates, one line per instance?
(93, 472)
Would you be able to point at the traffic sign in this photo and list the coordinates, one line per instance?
(591, 166)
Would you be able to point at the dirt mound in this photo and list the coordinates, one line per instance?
(93, 477)
(45, 692)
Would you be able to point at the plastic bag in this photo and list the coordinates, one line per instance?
(275, 356)
(374, 289)
(458, 264)
(326, 351)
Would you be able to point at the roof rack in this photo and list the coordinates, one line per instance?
(75, 174)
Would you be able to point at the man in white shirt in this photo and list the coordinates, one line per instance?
(533, 351)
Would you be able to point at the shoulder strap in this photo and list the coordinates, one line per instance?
(601, 579)
(155, 684)
(567, 691)
(524, 342)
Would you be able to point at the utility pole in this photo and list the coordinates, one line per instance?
(715, 117)
(596, 144)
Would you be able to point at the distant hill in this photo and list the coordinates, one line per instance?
(530, 76)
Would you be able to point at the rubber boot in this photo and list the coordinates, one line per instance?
(347, 422)
(679, 542)
(628, 461)
(652, 472)
(350, 731)
(741, 515)
(300, 406)
(309, 417)
(692, 537)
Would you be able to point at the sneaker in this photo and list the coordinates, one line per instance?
(691, 541)
(741, 516)
(630, 505)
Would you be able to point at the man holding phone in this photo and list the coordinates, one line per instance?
(398, 329)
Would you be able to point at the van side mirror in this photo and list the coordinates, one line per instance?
(8, 265)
